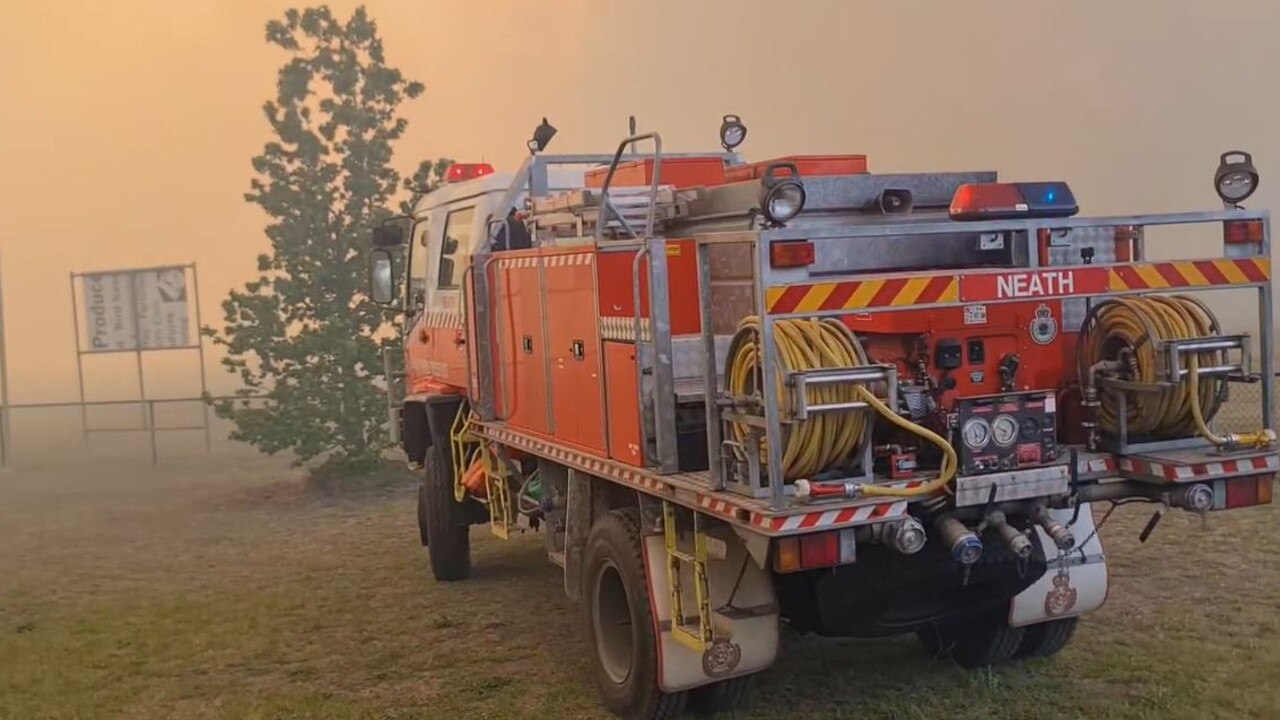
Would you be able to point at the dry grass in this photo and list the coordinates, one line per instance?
(225, 592)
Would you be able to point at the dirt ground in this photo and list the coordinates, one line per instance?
(224, 590)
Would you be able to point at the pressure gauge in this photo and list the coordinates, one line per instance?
(1004, 430)
(976, 433)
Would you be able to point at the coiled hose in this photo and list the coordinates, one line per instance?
(824, 439)
(1129, 331)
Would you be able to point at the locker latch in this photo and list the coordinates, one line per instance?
(578, 349)
(528, 344)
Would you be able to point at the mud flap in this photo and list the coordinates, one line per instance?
(1073, 585)
(743, 605)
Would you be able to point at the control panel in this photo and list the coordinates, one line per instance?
(1006, 431)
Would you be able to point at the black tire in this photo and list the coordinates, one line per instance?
(975, 641)
(619, 621)
(721, 696)
(1046, 639)
(422, 514)
(448, 534)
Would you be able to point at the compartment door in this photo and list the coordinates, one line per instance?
(522, 390)
(574, 339)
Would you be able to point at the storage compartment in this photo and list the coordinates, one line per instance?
(617, 275)
(808, 165)
(575, 368)
(623, 410)
(522, 392)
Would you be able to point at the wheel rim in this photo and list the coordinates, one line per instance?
(611, 621)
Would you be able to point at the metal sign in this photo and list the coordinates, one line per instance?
(136, 310)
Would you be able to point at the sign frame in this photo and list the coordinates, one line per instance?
(147, 404)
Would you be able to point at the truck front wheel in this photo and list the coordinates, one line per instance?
(447, 532)
(619, 621)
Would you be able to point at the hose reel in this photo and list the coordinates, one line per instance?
(825, 419)
(1162, 362)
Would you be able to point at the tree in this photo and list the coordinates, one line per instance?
(304, 333)
(428, 177)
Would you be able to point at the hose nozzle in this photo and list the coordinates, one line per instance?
(965, 545)
(1018, 543)
(1058, 532)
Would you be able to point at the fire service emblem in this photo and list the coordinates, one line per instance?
(1043, 327)
(1060, 599)
(721, 658)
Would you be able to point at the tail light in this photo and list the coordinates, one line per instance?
(815, 550)
(792, 253)
(1242, 232)
(1243, 492)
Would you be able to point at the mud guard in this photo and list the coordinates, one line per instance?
(1072, 586)
(749, 642)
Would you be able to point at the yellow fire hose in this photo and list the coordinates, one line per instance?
(1131, 330)
(825, 439)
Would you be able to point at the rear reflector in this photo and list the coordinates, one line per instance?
(1242, 232)
(791, 253)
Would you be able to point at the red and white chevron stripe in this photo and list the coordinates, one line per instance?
(1172, 472)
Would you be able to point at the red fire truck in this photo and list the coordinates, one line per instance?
(731, 394)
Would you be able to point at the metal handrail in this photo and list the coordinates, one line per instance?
(606, 205)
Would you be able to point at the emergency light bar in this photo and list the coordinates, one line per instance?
(458, 172)
(999, 201)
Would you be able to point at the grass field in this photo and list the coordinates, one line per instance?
(203, 591)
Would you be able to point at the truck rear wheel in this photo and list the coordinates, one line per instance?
(619, 621)
(1047, 638)
(721, 696)
(974, 641)
(447, 532)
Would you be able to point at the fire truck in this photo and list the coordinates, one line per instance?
(735, 394)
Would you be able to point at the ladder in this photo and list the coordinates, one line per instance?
(497, 491)
(576, 214)
(700, 636)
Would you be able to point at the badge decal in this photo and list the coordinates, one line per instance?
(1044, 328)
(721, 658)
(1061, 598)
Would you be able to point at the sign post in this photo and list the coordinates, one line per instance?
(137, 311)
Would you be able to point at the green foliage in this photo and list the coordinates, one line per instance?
(304, 333)
(428, 177)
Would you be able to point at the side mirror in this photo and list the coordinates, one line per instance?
(382, 282)
(389, 234)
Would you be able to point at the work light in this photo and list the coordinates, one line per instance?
(1236, 178)
(732, 132)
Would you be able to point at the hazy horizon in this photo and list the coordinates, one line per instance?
(129, 127)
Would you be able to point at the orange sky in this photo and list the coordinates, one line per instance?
(127, 127)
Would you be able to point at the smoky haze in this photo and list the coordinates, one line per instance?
(128, 127)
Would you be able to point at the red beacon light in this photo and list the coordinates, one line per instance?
(459, 172)
(1002, 201)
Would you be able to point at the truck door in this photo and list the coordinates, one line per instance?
(445, 318)
(417, 346)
